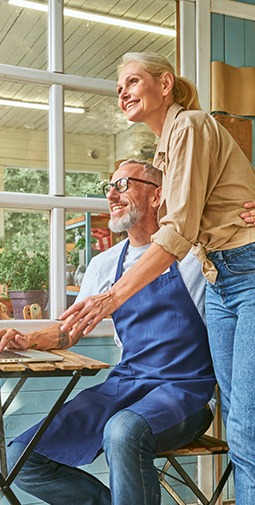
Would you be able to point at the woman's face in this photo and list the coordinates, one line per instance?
(141, 97)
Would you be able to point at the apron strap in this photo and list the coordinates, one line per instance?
(121, 260)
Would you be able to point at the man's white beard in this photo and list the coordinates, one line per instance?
(118, 225)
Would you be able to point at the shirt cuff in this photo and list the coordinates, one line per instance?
(172, 241)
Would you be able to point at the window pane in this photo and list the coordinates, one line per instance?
(24, 262)
(96, 140)
(78, 255)
(81, 184)
(90, 142)
(23, 138)
(25, 180)
(23, 36)
(93, 48)
(101, 115)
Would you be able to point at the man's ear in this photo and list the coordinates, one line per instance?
(167, 80)
(156, 197)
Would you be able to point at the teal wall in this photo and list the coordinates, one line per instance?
(233, 42)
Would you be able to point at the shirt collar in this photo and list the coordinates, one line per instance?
(172, 113)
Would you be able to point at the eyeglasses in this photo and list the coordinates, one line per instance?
(121, 185)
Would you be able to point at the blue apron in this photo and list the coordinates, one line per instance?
(165, 373)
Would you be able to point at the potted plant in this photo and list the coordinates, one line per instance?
(26, 276)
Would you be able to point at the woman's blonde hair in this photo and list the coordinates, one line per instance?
(184, 91)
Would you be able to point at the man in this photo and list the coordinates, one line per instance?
(156, 398)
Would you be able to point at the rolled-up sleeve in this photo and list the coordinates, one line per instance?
(185, 184)
(171, 241)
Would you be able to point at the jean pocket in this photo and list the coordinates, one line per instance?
(240, 260)
(240, 266)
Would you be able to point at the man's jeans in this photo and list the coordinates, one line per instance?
(130, 449)
(230, 312)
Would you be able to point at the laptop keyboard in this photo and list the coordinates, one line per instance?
(10, 354)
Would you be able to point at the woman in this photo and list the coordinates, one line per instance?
(206, 180)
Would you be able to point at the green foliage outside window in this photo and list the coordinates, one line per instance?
(21, 270)
(30, 230)
(24, 249)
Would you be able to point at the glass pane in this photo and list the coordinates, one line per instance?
(93, 48)
(23, 36)
(101, 115)
(90, 142)
(82, 184)
(23, 138)
(25, 180)
(78, 228)
(24, 264)
(98, 139)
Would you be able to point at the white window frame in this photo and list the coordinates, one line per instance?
(56, 202)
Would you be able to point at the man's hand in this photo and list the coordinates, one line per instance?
(249, 215)
(51, 337)
(13, 339)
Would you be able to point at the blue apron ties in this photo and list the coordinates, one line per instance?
(165, 373)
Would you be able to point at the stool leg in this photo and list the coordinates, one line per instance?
(8, 493)
(221, 484)
(167, 486)
(188, 480)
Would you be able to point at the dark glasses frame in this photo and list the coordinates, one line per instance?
(121, 189)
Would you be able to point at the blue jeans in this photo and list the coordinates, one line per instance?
(230, 312)
(130, 449)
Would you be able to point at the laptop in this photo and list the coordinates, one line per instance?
(28, 355)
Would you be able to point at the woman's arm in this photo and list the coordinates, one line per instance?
(85, 315)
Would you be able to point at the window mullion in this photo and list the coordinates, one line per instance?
(58, 263)
(56, 159)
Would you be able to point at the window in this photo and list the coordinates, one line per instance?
(60, 128)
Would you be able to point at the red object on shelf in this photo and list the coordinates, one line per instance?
(103, 239)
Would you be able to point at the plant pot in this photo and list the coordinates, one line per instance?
(21, 298)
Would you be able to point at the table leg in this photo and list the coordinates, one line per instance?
(42, 428)
(8, 493)
(3, 409)
(2, 442)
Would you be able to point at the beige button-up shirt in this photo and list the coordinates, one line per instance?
(206, 180)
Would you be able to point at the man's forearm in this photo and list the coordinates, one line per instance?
(51, 338)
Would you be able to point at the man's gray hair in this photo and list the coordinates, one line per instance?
(154, 174)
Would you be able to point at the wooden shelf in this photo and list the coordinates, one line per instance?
(99, 221)
(73, 288)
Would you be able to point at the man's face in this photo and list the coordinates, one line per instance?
(128, 209)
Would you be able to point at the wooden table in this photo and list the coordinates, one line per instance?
(74, 366)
